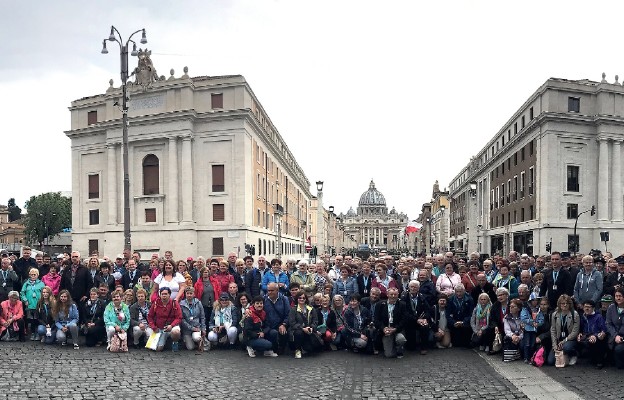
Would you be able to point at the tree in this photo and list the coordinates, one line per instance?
(47, 215)
(15, 212)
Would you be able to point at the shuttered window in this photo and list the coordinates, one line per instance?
(94, 186)
(217, 246)
(91, 117)
(150, 215)
(217, 100)
(218, 212)
(218, 178)
(150, 175)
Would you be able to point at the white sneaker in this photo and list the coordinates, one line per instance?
(270, 353)
(251, 352)
(573, 360)
(298, 354)
(487, 348)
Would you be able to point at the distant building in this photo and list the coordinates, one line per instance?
(12, 234)
(372, 224)
(557, 156)
(209, 172)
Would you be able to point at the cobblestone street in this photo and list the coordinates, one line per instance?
(34, 371)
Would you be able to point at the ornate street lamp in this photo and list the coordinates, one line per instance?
(115, 36)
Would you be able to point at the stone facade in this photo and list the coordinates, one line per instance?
(372, 224)
(209, 172)
(555, 158)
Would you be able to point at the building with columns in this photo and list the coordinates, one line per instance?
(372, 224)
(555, 158)
(209, 172)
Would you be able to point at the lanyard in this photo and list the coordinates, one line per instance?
(4, 275)
(555, 276)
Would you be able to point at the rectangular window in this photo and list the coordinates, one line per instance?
(150, 215)
(503, 219)
(258, 218)
(515, 158)
(92, 117)
(515, 216)
(515, 191)
(531, 215)
(522, 214)
(573, 178)
(94, 217)
(574, 104)
(531, 113)
(522, 154)
(530, 148)
(217, 100)
(497, 197)
(522, 183)
(515, 130)
(573, 243)
(531, 183)
(503, 139)
(218, 212)
(572, 211)
(523, 122)
(94, 246)
(508, 191)
(217, 246)
(218, 178)
(94, 186)
(509, 163)
(492, 197)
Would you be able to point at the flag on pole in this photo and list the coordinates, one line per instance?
(413, 226)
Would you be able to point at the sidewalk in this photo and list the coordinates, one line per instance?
(531, 381)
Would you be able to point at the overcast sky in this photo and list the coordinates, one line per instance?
(402, 92)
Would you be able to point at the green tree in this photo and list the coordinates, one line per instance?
(47, 215)
(15, 212)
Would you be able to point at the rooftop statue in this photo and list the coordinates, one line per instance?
(145, 73)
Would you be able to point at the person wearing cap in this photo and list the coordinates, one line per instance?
(532, 318)
(588, 285)
(593, 334)
(165, 317)
(615, 279)
(605, 302)
(12, 318)
(223, 323)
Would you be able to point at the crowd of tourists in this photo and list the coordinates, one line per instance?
(542, 310)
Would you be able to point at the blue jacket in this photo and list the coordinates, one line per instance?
(459, 312)
(527, 319)
(269, 277)
(63, 320)
(276, 312)
(345, 289)
(593, 324)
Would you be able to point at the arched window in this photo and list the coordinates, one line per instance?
(150, 175)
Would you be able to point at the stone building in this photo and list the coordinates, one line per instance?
(209, 172)
(556, 157)
(373, 224)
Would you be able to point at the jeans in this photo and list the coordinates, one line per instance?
(42, 330)
(62, 336)
(260, 344)
(528, 344)
(618, 354)
(393, 344)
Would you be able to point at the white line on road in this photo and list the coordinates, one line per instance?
(531, 381)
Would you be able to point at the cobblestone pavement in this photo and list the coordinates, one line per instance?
(32, 371)
(588, 382)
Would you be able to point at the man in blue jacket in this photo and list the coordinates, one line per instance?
(277, 308)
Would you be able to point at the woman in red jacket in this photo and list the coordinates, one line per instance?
(165, 316)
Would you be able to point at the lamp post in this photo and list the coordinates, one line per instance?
(575, 241)
(320, 239)
(330, 230)
(443, 241)
(115, 36)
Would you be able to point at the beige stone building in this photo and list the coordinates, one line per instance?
(555, 158)
(209, 172)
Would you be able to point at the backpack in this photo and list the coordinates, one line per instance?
(538, 357)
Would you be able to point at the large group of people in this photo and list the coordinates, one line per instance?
(555, 308)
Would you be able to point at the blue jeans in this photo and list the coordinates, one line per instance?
(260, 344)
(569, 349)
(41, 330)
(528, 344)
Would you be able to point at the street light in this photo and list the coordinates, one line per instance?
(115, 36)
(575, 241)
(320, 239)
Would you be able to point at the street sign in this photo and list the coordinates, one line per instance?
(308, 248)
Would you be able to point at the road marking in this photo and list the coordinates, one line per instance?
(531, 381)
